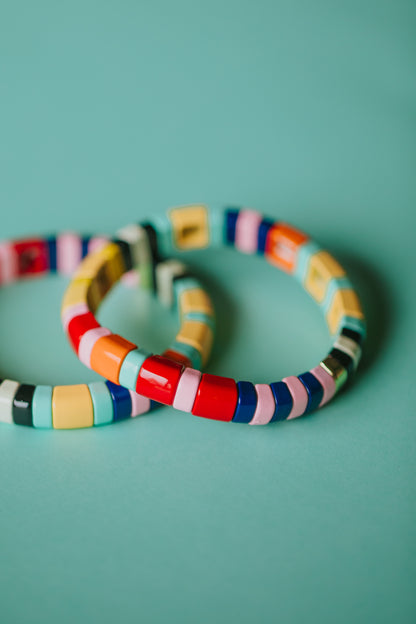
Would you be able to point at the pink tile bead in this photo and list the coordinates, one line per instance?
(187, 389)
(327, 383)
(87, 342)
(75, 310)
(96, 243)
(131, 279)
(9, 269)
(139, 404)
(265, 405)
(246, 231)
(299, 395)
(68, 253)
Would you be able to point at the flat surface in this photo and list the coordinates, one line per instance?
(112, 111)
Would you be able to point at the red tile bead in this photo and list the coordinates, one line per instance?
(216, 398)
(78, 326)
(158, 379)
(33, 256)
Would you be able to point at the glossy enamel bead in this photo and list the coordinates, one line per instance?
(246, 402)
(107, 355)
(314, 389)
(283, 400)
(282, 245)
(72, 407)
(265, 405)
(8, 390)
(187, 389)
(22, 405)
(158, 379)
(216, 398)
(190, 227)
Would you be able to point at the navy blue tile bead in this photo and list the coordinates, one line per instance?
(344, 359)
(22, 405)
(283, 400)
(84, 245)
(51, 241)
(231, 217)
(246, 402)
(121, 401)
(314, 389)
(264, 228)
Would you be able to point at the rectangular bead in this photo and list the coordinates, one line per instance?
(42, 407)
(72, 407)
(282, 245)
(190, 226)
(8, 390)
(322, 268)
(197, 335)
(344, 303)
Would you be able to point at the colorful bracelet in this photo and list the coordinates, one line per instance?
(81, 405)
(168, 378)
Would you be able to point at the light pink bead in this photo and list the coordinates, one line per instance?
(8, 263)
(299, 395)
(131, 279)
(265, 405)
(68, 253)
(187, 389)
(75, 310)
(246, 231)
(327, 383)
(139, 404)
(96, 243)
(87, 342)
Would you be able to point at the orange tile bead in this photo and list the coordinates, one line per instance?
(107, 355)
(282, 244)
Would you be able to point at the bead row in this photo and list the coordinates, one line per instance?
(171, 381)
(98, 403)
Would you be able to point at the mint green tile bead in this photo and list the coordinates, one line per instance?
(42, 407)
(304, 254)
(216, 226)
(185, 283)
(201, 317)
(163, 227)
(130, 367)
(102, 403)
(356, 324)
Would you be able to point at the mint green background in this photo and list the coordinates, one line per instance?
(113, 111)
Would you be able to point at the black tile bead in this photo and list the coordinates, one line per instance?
(22, 405)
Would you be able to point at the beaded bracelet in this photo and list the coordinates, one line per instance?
(81, 405)
(168, 378)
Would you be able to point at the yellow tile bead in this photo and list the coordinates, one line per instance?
(91, 265)
(190, 227)
(114, 265)
(197, 335)
(83, 291)
(195, 300)
(77, 292)
(322, 268)
(72, 407)
(344, 303)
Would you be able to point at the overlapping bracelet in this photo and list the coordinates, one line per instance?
(172, 378)
(97, 403)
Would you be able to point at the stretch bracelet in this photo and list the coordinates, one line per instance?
(170, 380)
(81, 405)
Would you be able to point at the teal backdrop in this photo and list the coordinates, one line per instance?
(114, 111)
